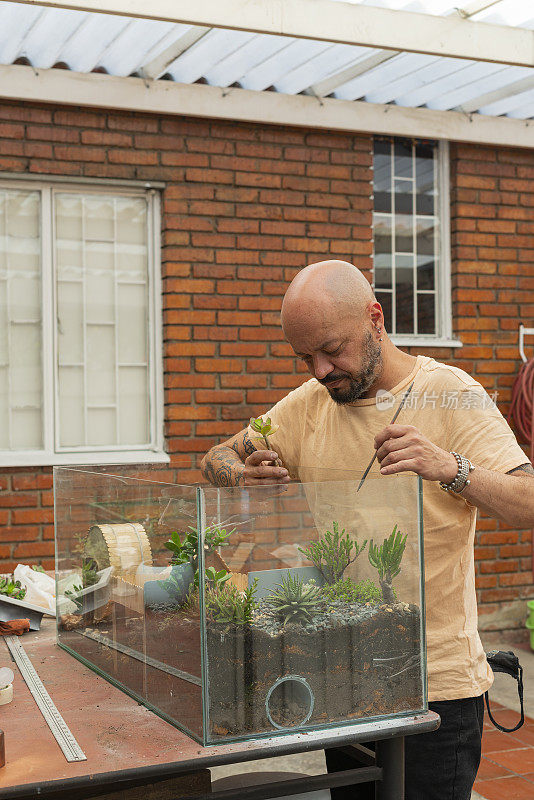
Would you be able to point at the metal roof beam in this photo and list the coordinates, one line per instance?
(330, 84)
(476, 7)
(510, 90)
(267, 108)
(343, 23)
(158, 65)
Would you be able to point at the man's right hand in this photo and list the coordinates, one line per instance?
(261, 469)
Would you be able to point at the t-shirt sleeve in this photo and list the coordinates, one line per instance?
(479, 432)
(288, 414)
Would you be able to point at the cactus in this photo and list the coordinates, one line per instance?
(387, 559)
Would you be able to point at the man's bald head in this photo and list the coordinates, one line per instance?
(325, 288)
(333, 322)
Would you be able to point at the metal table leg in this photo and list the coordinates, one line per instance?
(390, 756)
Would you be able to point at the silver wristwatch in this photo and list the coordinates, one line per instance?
(462, 476)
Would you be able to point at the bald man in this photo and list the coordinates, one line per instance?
(451, 435)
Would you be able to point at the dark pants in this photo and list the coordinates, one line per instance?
(440, 765)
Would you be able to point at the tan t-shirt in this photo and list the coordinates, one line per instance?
(454, 412)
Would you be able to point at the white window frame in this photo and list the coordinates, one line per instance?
(444, 335)
(51, 454)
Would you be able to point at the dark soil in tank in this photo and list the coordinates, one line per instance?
(287, 711)
(173, 639)
(168, 635)
(357, 660)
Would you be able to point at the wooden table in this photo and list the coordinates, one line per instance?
(127, 746)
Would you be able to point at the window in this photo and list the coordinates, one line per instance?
(80, 355)
(411, 241)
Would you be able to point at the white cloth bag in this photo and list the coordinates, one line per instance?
(40, 588)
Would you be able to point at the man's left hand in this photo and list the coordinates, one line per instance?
(403, 448)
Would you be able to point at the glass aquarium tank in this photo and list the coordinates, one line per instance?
(237, 613)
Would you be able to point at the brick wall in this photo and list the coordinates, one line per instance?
(244, 208)
(493, 256)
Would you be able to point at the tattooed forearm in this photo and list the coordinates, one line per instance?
(243, 444)
(524, 469)
(222, 467)
(248, 447)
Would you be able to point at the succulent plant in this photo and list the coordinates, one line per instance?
(89, 574)
(73, 595)
(186, 550)
(387, 560)
(225, 603)
(264, 428)
(216, 577)
(12, 588)
(348, 591)
(333, 553)
(294, 600)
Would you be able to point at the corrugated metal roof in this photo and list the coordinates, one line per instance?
(122, 46)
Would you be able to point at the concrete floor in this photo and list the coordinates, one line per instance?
(503, 691)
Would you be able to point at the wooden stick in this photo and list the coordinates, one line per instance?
(395, 415)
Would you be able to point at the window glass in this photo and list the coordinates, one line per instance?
(103, 332)
(406, 234)
(382, 176)
(21, 418)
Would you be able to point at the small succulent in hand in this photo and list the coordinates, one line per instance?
(265, 429)
(294, 600)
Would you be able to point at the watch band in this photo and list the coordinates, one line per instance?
(462, 476)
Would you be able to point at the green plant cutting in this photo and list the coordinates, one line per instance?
(264, 428)
(387, 560)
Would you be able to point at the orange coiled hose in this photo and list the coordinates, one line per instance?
(522, 406)
(522, 411)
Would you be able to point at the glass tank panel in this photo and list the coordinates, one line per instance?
(117, 593)
(237, 613)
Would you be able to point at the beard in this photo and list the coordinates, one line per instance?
(357, 384)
